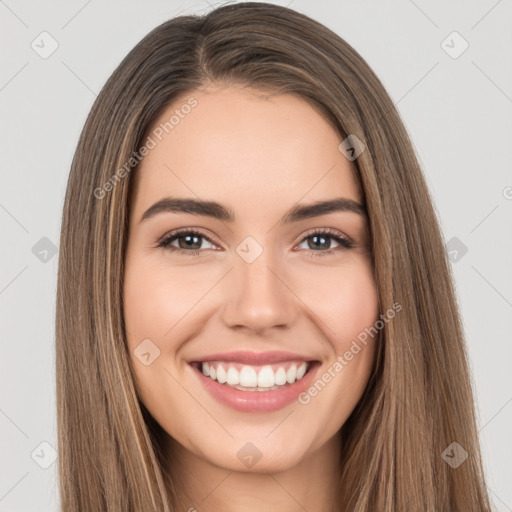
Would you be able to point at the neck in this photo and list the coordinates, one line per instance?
(312, 484)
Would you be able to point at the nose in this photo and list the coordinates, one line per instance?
(259, 297)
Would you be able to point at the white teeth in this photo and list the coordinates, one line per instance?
(280, 377)
(248, 377)
(233, 378)
(221, 374)
(301, 370)
(266, 377)
(290, 374)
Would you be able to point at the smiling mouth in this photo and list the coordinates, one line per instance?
(261, 378)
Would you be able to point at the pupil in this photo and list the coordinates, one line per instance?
(316, 238)
(188, 238)
(193, 239)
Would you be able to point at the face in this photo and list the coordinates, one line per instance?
(227, 305)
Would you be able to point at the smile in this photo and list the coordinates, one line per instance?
(255, 382)
(255, 378)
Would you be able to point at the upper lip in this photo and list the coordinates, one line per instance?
(253, 358)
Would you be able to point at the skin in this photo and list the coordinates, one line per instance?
(259, 157)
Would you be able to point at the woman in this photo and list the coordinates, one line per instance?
(254, 304)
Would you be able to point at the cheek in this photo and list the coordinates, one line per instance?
(343, 299)
(154, 304)
(356, 307)
(346, 301)
(157, 299)
(349, 309)
(162, 303)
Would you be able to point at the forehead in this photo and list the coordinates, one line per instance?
(244, 147)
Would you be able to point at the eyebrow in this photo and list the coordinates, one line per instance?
(221, 212)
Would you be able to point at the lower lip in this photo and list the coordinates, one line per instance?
(257, 401)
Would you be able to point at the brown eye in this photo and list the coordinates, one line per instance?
(189, 242)
(320, 238)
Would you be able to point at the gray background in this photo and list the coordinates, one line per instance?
(458, 114)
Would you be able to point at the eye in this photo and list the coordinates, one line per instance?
(320, 238)
(189, 241)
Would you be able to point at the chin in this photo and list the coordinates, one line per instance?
(256, 455)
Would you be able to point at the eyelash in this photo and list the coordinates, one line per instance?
(344, 241)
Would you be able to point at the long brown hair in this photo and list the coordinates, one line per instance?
(419, 399)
